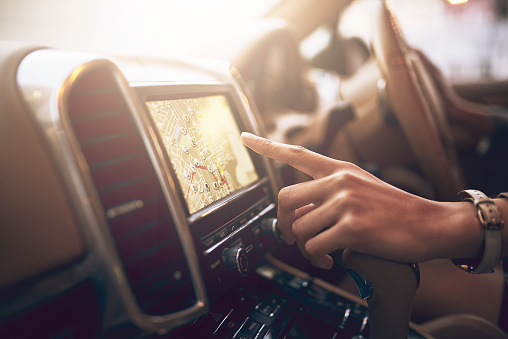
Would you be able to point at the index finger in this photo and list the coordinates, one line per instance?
(304, 160)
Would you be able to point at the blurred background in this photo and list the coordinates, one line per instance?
(468, 40)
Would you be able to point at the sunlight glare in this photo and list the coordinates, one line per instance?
(175, 26)
(127, 27)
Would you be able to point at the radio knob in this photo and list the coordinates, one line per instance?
(269, 226)
(236, 259)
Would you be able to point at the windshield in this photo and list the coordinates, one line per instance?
(126, 27)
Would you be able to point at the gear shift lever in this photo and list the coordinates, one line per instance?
(389, 288)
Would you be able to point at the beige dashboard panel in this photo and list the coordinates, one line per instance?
(37, 230)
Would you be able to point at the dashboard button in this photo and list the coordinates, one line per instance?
(211, 322)
(251, 326)
(222, 234)
(233, 228)
(244, 335)
(215, 264)
(209, 242)
(270, 306)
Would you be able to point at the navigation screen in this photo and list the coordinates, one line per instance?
(203, 143)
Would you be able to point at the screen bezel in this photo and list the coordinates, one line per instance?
(159, 92)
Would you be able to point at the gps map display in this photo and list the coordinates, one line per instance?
(203, 142)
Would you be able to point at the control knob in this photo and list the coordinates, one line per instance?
(236, 258)
(269, 226)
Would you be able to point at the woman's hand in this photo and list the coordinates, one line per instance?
(347, 207)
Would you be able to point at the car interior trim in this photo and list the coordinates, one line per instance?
(46, 101)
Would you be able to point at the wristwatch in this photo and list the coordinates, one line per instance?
(505, 262)
(491, 221)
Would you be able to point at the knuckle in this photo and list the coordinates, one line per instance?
(267, 144)
(345, 178)
(298, 226)
(346, 197)
(345, 201)
(295, 153)
(348, 226)
(339, 181)
(351, 166)
(297, 149)
(284, 194)
(353, 231)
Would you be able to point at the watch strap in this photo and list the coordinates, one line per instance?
(491, 221)
(505, 262)
(503, 195)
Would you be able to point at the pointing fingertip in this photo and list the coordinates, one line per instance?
(246, 136)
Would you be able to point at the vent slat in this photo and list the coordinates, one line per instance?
(115, 186)
(119, 172)
(93, 116)
(111, 150)
(144, 242)
(142, 190)
(85, 105)
(149, 264)
(87, 130)
(97, 167)
(127, 224)
(141, 229)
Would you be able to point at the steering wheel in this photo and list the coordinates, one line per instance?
(416, 105)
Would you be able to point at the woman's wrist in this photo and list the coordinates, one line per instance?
(465, 235)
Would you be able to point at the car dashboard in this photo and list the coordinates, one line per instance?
(130, 207)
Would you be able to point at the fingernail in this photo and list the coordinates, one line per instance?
(248, 136)
(325, 263)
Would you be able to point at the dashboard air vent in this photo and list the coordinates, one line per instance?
(130, 194)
